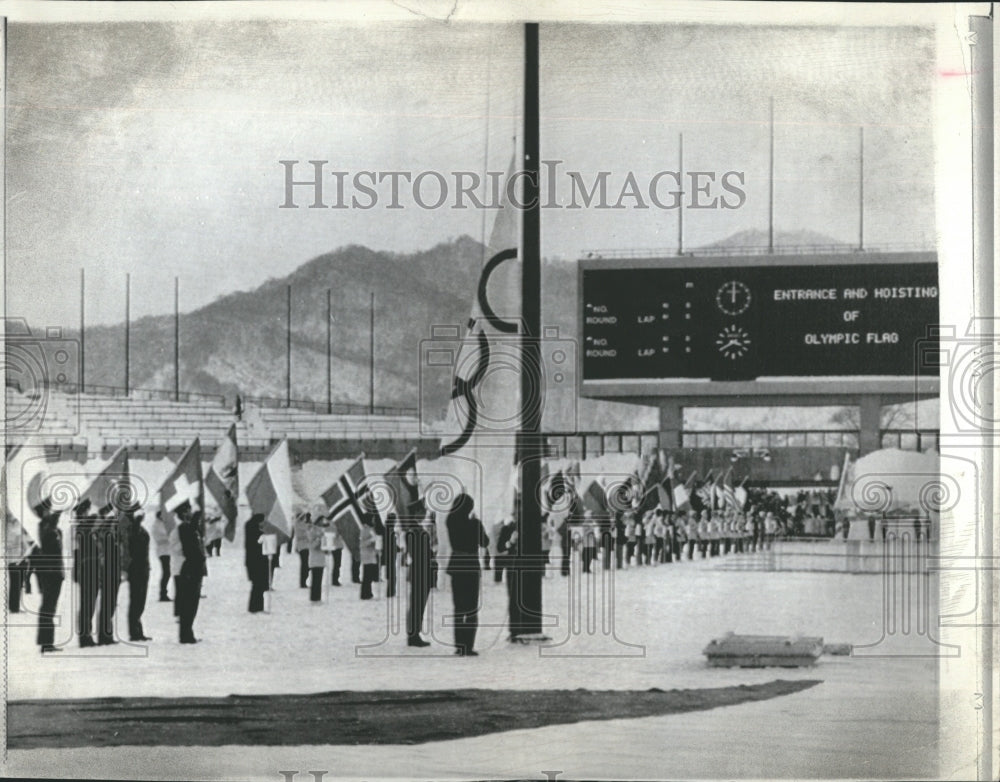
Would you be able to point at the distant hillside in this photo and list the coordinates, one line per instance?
(236, 344)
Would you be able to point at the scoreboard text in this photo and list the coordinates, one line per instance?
(747, 322)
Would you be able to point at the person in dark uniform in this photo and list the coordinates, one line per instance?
(255, 562)
(390, 553)
(506, 541)
(367, 545)
(302, 547)
(192, 571)
(316, 524)
(566, 545)
(418, 544)
(138, 575)
(86, 564)
(113, 562)
(19, 546)
(48, 566)
(466, 537)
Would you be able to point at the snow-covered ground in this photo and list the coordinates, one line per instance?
(871, 716)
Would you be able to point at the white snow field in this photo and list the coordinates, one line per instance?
(871, 717)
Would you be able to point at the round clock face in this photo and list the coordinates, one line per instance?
(733, 342)
(733, 297)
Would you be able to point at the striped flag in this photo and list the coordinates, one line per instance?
(270, 492)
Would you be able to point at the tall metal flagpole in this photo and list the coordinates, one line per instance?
(128, 291)
(329, 351)
(770, 189)
(83, 351)
(525, 606)
(288, 350)
(177, 340)
(371, 356)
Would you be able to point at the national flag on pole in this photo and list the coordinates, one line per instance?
(486, 395)
(347, 500)
(113, 485)
(704, 493)
(683, 491)
(595, 499)
(402, 480)
(559, 498)
(843, 502)
(665, 494)
(183, 484)
(647, 479)
(223, 480)
(742, 496)
(729, 491)
(270, 492)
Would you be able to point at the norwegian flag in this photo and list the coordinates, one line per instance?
(184, 484)
(348, 500)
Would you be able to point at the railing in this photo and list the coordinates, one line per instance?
(785, 249)
(910, 439)
(321, 408)
(583, 444)
(119, 392)
(784, 438)
(274, 403)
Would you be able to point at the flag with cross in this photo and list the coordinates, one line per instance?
(184, 484)
(348, 500)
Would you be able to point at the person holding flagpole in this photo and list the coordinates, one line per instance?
(465, 537)
(255, 562)
(192, 571)
(48, 565)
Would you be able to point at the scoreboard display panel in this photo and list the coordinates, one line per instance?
(736, 320)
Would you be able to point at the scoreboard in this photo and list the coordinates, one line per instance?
(853, 315)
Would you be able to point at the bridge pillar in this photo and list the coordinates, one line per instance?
(869, 436)
(671, 424)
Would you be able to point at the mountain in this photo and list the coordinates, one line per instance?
(236, 344)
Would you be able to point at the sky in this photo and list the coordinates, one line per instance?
(153, 148)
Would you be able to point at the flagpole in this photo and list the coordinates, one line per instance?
(177, 341)
(128, 294)
(288, 349)
(371, 356)
(83, 353)
(525, 604)
(329, 353)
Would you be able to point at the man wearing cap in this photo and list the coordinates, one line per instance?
(316, 525)
(138, 574)
(302, 545)
(48, 566)
(192, 571)
(256, 562)
(86, 567)
(418, 544)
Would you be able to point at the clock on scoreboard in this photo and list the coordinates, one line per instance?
(742, 322)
